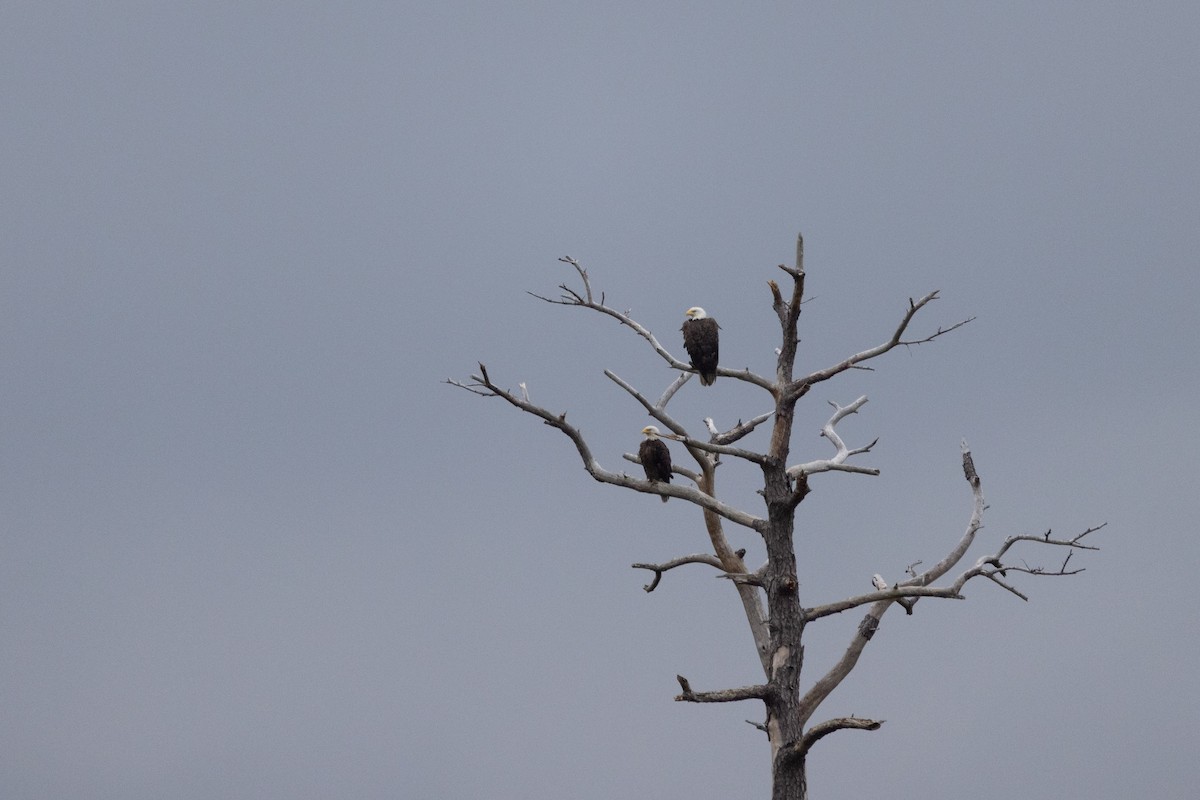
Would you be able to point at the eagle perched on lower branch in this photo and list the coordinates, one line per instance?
(655, 458)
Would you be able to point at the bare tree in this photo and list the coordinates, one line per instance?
(778, 630)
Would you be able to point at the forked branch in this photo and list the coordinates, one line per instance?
(918, 586)
(802, 385)
(991, 566)
(994, 569)
(587, 299)
(484, 387)
(838, 462)
(657, 410)
(679, 434)
(788, 312)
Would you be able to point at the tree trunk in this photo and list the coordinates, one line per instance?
(785, 721)
(790, 780)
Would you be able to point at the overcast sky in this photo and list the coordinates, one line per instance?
(252, 546)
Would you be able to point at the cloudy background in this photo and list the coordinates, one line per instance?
(252, 546)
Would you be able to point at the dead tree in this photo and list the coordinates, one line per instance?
(790, 700)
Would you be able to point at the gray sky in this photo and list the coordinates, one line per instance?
(251, 547)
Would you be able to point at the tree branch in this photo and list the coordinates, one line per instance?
(822, 729)
(789, 315)
(799, 387)
(690, 474)
(843, 452)
(918, 585)
(908, 592)
(755, 578)
(993, 566)
(973, 525)
(656, 410)
(899, 592)
(758, 692)
(719, 449)
(571, 297)
(994, 569)
(659, 569)
(737, 431)
(680, 433)
(838, 672)
(485, 387)
(675, 386)
(705, 482)
(990, 566)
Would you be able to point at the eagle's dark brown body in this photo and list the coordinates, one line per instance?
(656, 460)
(701, 340)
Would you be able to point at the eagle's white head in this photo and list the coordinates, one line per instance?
(695, 312)
(650, 431)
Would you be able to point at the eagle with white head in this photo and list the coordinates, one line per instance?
(701, 340)
(655, 457)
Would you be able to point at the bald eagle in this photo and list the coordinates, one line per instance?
(700, 340)
(655, 457)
